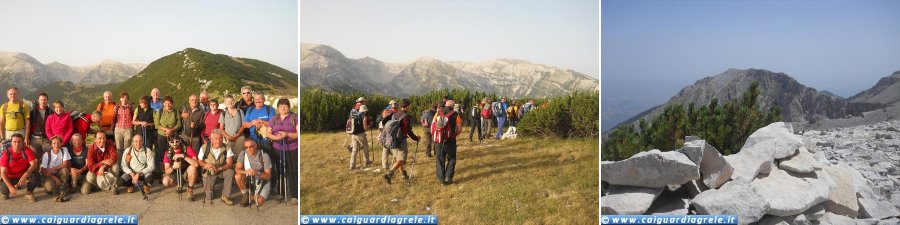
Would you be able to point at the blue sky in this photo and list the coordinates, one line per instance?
(81, 33)
(651, 49)
(557, 33)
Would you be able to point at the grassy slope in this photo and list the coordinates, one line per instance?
(523, 181)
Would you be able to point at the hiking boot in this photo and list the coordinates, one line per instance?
(368, 163)
(115, 189)
(245, 199)
(130, 190)
(226, 200)
(405, 176)
(146, 189)
(190, 192)
(4, 197)
(29, 196)
(387, 177)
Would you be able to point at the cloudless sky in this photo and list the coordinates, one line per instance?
(81, 33)
(557, 33)
(652, 49)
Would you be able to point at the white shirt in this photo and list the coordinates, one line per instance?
(55, 159)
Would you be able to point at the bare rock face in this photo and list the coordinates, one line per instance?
(791, 194)
(653, 169)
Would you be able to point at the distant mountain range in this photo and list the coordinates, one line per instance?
(327, 68)
(178, 75)
(29, 74)
(798, 102)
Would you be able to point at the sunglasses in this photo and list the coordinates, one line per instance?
(246, 93)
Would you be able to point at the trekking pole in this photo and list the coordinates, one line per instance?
(412, 168)
(178, 179)
(284, 172)
(371, 145)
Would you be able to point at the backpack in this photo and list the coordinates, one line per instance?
(21, 108)
(525, 108)
(497, 108)
(427, 115)
(384, 114)
(486, 113)
(443, 128)
(354, 122)
(76, 115)
(393, 132)
(4, 147)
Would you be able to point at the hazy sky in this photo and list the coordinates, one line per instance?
(81, 33)
(551, 32)
(651, 49)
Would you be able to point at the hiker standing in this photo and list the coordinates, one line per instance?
(254, 166)
(246, 100)
(359, 122)
(137, 166)
(55, 169)
(499, 109)
(38, 120)
(284, 138)
(425, 120)
(512, 114)
(15, 117)
(193, 122)
(204, 102)
(487, 117)
(155, 101)
(167, 123)
(59, 123)
(396, 129)
(124, 115)
(231, 122)
(211, 118)
(103, 165)
(475, 121)
(17, 166)
(143, 117)
(107, 110)
(447, 124)
(216, 159)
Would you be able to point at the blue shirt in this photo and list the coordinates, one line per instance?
(156, 105)
(254, 113)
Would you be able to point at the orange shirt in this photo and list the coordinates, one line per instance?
(107, 112)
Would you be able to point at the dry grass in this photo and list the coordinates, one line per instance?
(523, 181)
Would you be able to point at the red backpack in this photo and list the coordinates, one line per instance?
(443, 127)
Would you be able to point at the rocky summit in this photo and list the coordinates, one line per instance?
(842, 176)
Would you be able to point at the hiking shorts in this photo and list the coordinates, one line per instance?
(400, 153)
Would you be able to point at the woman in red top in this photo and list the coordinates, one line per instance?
(59, 123)
(211, 119)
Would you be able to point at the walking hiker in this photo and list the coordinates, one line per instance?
(255, 167)
(499, 109)
(15, 119)
(137, 167)
(396, 129)
(284, 135)
(59, 123)
(445, 127)
(182, 159)
(425, 120)
(216, 159)
(55, 169)
(102, 164)
(512, 114)
(391, 108)
(17, 166)
(38, 120)
(357, 123)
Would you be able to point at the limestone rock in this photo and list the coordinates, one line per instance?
(650, 169)
(714, 169)
(873, 208)
(842, 200)
(752, 159)
(786, 142)
(789, 195)
(750, 207)
(801, 162)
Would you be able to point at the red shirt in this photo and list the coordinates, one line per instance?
(190, 154)
(210, 122)
(18, 165)
(124, 116)
(95, 156)
(82, 125)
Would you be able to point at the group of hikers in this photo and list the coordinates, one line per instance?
(133, 146)
(442, 123)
